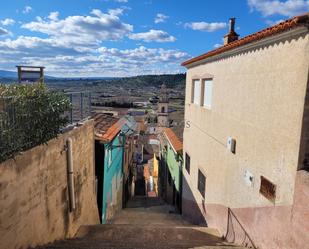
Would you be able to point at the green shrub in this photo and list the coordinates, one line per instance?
(29, 115)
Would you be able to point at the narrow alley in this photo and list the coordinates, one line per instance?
(146, 222)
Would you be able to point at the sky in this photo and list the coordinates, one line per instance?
(115, 38)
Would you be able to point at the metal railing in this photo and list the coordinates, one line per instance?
(80, 106)
(236, 233)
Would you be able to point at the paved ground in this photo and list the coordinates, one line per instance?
(147, 223)
(143, 210)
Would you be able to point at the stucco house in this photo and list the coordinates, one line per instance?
(129, 130)
(109, 157)
(171, 163)
(246, 136)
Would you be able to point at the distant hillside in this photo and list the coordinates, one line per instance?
(8, 74)
(171, 80)
(11, 76)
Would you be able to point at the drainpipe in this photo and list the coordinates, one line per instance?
(70, 174)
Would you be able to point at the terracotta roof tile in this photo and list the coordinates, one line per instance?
(106, 126)
(173, 139)
(276, 29)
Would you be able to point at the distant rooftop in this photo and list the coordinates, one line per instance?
(173, 139)
(106, 127)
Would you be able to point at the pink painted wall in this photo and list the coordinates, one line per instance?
(274, 227)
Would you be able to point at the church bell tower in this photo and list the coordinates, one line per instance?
(163, 107)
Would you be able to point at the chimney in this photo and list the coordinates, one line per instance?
(232, 35)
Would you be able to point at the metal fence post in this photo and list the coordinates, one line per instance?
(89, 103)
(82, 105)
(71, 113)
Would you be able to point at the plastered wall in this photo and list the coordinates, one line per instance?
(258, 99)
(34, 203)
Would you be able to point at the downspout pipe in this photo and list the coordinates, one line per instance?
(70, 172)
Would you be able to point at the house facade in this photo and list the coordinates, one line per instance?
(246, 135)
(109, 156)
(171, 164)
(129, 131)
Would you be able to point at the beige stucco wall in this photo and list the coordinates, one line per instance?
(258, 99)
(34, 207)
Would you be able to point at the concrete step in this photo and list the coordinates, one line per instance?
(144, 214)
(149, 232)
(143, 201)
(148, 224)
(148, 237)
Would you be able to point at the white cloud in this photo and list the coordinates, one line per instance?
(82, 30)
(153, 36)
(271, 22)
(285, 8)
(121, 1)
(160, 18)
(116, 12)
(7, 21)
(4, 31)
(205, 26)
(218, 45)
(142, 54)
(27, 9)
(97, 62)
(52, 16)
(73, 47)
(35, 46)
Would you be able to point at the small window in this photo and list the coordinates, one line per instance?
(196, 92)
(188, 163)
(207, 93)
(201, 184)
(268, 189)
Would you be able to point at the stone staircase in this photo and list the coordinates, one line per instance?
(146, 223)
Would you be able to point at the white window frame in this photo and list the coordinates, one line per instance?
(207, 103)
(194, 99)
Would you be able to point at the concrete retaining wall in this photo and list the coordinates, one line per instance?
(34, 203)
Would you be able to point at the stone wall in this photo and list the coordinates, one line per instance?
(34, 203)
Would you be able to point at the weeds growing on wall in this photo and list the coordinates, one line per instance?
(29, 115)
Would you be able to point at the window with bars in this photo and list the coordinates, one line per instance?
(201, 184)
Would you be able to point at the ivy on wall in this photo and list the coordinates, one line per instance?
(29, 116)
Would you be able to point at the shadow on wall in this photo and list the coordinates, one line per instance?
(190, 209)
